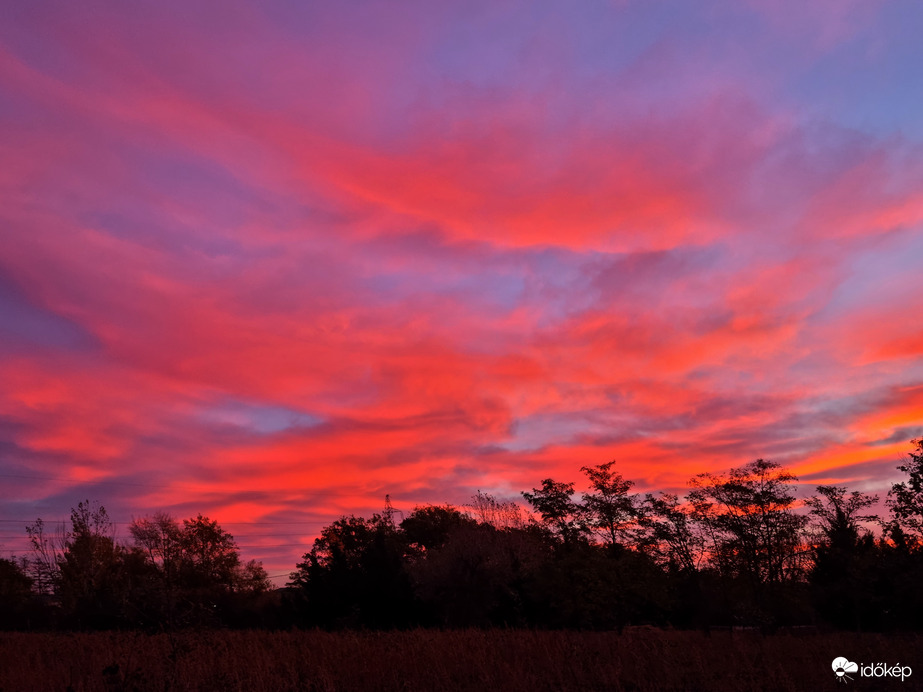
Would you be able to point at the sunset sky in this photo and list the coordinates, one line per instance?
(271, 261)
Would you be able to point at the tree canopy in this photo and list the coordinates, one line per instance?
(738, 548)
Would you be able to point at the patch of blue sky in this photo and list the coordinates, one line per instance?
(565, 284)
(554, 281)
(534, 432)
(498, 292)
(652, 276)
(862, 83)
(558, 282)
(592, 39)
(485, 48)
(262, 419)
(159, 230)
(24, 324)
(883, 274)
(196, 183)
(34, 47)
(609, 37)
(903, 434)
(206, 202)
(496, 285)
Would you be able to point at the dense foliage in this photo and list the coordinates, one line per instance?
(739, 549)
(172, 575)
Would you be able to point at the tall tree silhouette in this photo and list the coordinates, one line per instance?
(906, 498)
(672, 536)
(562, 516)
(43, 566)
(484, 508)
(198, 553)
(608, 507)
(430, 527)
(354, 575)
(15, 594)
(842, 576)
(84, 566)
(750, 516)
(191, 572)
(159, 538)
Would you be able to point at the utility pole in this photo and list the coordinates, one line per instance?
(389, 512)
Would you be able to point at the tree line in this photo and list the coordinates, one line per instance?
(738, 549)
(172, 574)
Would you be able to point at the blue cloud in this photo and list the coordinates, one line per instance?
(25, 324)
(262, 419)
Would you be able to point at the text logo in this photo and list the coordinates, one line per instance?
(842, 667)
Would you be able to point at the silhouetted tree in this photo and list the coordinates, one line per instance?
(484, 508)
(43, 565)
(895, 600)
(609, 508)
(197, 554)
(480, 576)
(355, 575)
(906, 498)
(842, 574)
(191, 572)
(428, 528)
(16, 598)
(900, 561)
(750, 518)
(159, 538)
(82, 566)
(735, 551)
(676, 543)
(208, 554)
(672, 537)
(838, 515)
(562, 516)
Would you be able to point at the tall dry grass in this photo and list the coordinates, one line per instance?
(514, 660)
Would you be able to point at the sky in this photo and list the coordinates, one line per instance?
(273, 261)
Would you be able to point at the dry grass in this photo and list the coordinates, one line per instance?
(640, 659)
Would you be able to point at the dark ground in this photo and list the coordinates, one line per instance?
(637, 659)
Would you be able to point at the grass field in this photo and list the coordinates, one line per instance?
(637, 659)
